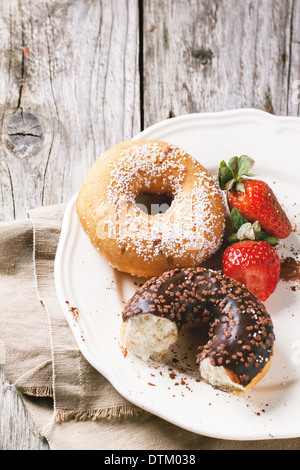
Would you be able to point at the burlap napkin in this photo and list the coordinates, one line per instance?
(38, 351)
(40, 357)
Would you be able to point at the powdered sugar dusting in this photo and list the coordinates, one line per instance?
(185, 227)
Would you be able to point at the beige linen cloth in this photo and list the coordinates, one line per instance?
(41, 359)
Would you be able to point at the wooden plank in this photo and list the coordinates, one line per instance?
(294, 64)
(202, 56)
(17, 430)
(69, 89)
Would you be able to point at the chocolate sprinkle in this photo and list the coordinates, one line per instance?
(240, 333)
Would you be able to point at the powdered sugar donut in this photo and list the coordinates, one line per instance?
(133, 241)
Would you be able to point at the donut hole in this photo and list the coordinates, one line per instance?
(153, 204)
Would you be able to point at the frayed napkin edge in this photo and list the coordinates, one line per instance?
(122, 411)
(38, 392)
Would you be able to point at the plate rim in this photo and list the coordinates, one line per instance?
(238, 112)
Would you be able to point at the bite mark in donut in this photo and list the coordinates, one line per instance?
(189, 232)
(240, 341)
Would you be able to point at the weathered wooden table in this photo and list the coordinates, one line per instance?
(77, 76)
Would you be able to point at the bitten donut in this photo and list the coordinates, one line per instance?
(140, 243)
(240, 334)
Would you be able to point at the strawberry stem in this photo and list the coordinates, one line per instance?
(244, 230)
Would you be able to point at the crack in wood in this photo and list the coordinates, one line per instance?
(50, 62)
(22, 69)
(141, 61)
(290, 56)
(11, 190)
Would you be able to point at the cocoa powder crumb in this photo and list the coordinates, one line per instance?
(290, 270)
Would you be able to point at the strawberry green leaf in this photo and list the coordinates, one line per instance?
(237, 219)
(244, 164)
(225, 174)
(234, 165)
(271, 240)
(233, 238)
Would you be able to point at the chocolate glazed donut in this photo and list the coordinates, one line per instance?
(241, 338)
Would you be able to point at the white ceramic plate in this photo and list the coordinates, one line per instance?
(172, 390)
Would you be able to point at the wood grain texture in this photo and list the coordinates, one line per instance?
(217, 55)
(69, 89)
(17, 430)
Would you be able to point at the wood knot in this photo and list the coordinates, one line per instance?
(203, 55)
(24, 132)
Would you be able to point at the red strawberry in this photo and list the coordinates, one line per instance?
(255, 264)
(253, 198)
